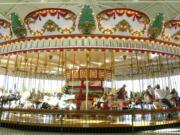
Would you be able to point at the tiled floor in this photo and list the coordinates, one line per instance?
(4, 131)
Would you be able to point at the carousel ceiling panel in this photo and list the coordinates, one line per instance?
(55, 63)
(5, 30)
(123, 20)
(50, 21)
(172, 31)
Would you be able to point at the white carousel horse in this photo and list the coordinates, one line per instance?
(62, 101)
(58, 101)
(25, 102)
(64, 104)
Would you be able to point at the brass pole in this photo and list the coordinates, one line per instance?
(6, 74)
(112, 68)
(138, 71)
(104, 68)
(58, 72)
(15, 72)
(36, 71)
(62, 66)
(132, 81)
(73, 70)
(87, 84)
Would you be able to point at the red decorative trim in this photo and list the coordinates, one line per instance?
(174, 23)
(92, 36)
(2, 21)
(34, 12)
(116, 49)
(41, 13)
(128, 9)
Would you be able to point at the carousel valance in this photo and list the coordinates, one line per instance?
(171, 31)
(122, 20)
(124, 43)
(50, 21)
(117, 21)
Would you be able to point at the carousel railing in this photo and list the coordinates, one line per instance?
(131, 121)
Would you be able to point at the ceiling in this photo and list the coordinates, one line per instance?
(124, 64)
(170, 8)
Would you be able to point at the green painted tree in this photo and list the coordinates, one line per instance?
(87, 22)
(17, 27)
(156, 27)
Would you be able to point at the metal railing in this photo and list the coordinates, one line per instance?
(62, 121)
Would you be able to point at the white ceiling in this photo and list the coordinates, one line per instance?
(170, 8)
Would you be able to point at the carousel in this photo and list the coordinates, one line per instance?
(54, 59)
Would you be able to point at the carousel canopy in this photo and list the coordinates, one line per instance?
(128, 37)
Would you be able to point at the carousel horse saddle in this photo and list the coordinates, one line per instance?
(45, 105)
(42, 105)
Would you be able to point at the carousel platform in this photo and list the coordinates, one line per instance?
(76, 129)
(5, 131)
(90, 121)
(42, 128)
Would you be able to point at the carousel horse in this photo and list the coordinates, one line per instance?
(49, 102)
(59, 101)
(64, 102)
(122, 93)
(174, 98)
(147, 100)
(164, 103)
(4, 99)
(102, 103)
(32, 100)
(161, 100)
(136, 102)
(26, 101)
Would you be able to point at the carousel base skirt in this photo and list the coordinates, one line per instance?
(87, 128)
